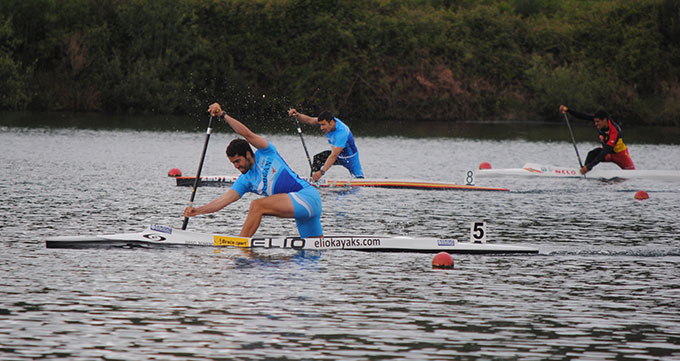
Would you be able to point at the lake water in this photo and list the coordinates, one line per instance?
(605, 286)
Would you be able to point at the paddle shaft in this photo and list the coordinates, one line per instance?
(299, 130)
(198, 172)
(573, 140)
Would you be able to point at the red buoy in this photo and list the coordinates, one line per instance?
(174, 172)
(442, 260)
(485, 165)
(641, 195)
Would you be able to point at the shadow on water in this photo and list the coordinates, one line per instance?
(499, 130)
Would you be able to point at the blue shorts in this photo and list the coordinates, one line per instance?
(352, 164)
(307, 203)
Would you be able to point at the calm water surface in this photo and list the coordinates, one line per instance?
(606, 285)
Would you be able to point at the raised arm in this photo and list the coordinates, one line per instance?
(240, 129)
(575, 113)
(303, 117)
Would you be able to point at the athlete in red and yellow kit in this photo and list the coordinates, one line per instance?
(613, 149)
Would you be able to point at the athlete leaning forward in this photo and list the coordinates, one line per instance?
(612, 149)
(343, 149)
(264, 172)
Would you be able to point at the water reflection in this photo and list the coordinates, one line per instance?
(251, 258)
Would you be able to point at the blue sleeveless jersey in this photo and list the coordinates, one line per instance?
(342, 137)
(269, 175)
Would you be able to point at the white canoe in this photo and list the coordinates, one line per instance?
(356, 182)
(162, 236)
(542, 170)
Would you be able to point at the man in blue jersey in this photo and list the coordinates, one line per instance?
(343, 150)
(264, 172)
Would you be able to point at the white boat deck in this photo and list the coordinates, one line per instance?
(542, 170)
(162, 236)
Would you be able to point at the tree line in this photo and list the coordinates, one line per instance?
(365, 59)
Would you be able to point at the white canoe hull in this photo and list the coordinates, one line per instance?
(541, 170)
(161, 236)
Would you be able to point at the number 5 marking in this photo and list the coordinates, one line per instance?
(478, 232)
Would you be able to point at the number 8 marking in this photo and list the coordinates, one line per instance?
(470, 178)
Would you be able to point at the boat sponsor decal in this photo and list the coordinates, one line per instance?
(162, 229)
(320, 182)
(446, 242)
(153, 237)
(220, 179)
(231, 241)
(553, 170)
(534, 170)
(288, 242)
(564, 171)
(344, 243)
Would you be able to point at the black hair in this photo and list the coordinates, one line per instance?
(325, 115)
(601, 114)
(239, 147)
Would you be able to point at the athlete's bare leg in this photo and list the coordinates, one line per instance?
(279, 205)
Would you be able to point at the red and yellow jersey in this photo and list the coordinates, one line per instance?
(613, 137)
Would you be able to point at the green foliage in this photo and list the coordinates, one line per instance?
(14, 93)
(14, 90)
(573, 85)
(365, 59)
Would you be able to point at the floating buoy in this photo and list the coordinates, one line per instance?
(442, 260)
(641, 195)
(485, 165)
(174, 172)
